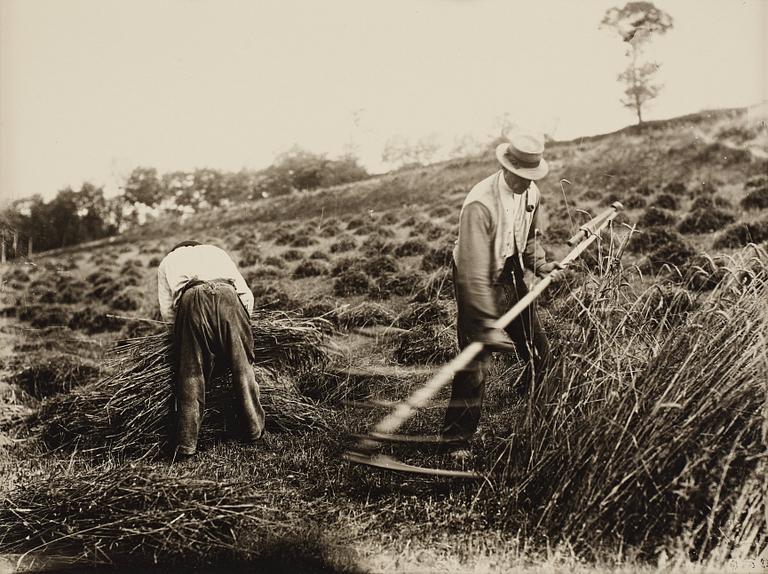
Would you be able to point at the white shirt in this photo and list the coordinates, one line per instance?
(202, 262)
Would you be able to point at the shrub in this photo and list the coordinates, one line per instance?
(250, 258)
(741, 234)
(437, 285)
(427, 344)
(389, 218)
(127, 300)
(703, 273)
(390, 284)
(667, 201)
(351, 282)
(16, 274)
(675, 253)
(441, 211)
(365, 314)
(654, 217)
(705, 221)
(303, 241)
(292, 254)
(756, 199)
(381, 265)
(375, 245)
(40, 316)
(90, 320)
(438, 257)
(411, 247)
(703, 202)
(634, 201)
(310, 268)
(275, 261)
(346, 263)
(344, 243)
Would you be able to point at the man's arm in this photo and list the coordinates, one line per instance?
(474, 263)
(164, 295)
(245, 294)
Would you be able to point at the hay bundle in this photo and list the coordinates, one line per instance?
(126, 514)
(128, 412)
(653, 432)
(50, 374)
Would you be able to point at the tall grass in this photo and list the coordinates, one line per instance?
(652, 426)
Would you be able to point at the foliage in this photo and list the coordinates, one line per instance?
(636, 23)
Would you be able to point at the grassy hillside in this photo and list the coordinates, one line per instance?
(646, 449)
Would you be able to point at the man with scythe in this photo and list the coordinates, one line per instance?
(497, 240)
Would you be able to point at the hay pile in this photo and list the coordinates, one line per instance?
(650, 431)
(125, 514)
(127, 413)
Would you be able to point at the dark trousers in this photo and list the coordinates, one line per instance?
(213, 329)
(463, 414)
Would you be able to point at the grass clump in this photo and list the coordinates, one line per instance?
(411, 247)
(352, 282)
(310, 268)
(705, 221)
(654, 217)
(741, 234)
(438, 257)
(756, 199)
(344, 243)
(668, 201)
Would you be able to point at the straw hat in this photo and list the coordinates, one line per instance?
(522, 156)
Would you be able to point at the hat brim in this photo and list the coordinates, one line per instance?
(532, 173)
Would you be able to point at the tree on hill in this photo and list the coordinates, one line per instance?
(637, 23)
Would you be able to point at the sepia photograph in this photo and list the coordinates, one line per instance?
(368, 286)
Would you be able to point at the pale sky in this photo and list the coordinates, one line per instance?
(90, 89)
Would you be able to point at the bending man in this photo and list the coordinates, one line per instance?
(205, 297)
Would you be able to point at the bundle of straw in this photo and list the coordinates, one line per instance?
(125, 514)
(129, 411)
(650, 431)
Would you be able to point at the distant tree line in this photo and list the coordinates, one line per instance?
(74, 217)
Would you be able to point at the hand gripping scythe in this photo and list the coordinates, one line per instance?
(364, 451)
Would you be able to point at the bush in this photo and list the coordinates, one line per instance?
(634, 201)
(654, 217)
(364, 315)
(705, 221)
(411, 247)
(675, 253)
(310, 268)
(381, 265)
(438, 257)
(675, 188)
(427, 344)
(375, 245)
(344, 243)
(351, 282)
(275, 261)
(292, 255)
(40, 316)
(756, 199)
(90, 320)
(391, 284)
(741, 234)
(127, 300)
(303, 241)
(667, 201)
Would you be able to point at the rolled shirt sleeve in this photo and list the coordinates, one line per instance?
(164, 295)
(245, 294)
(473, 265)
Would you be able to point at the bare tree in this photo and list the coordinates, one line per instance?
(637, 23)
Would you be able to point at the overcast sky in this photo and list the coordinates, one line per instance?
(90, 89)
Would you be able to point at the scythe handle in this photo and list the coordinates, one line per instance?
(405, 409)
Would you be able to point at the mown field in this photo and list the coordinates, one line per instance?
(645, 451)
